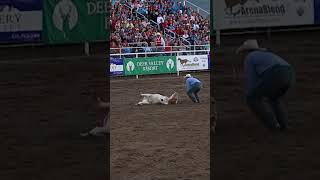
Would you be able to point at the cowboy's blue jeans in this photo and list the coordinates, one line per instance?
(193, 92)
(264, 101)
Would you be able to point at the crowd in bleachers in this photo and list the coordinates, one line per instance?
(130, 29)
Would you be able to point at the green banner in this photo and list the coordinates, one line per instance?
(74, 21)
(150, 65)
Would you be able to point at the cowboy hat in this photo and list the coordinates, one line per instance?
(250, 44)
(187, 76)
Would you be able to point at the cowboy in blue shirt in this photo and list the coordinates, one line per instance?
(268, 78)
(193, 86)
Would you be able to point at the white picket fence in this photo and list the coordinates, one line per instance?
(158, 50)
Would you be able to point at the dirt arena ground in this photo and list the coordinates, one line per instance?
(158, 142)
(45, 104)
(243, 149)
(40, 142)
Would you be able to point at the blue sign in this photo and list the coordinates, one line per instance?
(20, 21)
(116, 66)
(317, 11)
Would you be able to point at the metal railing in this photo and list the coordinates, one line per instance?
(196, 47)
(170, 33)
(200, 10)
(162, 51)
(141, 16)
(185, 41)
(138, 43)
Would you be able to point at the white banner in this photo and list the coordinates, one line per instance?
(192, 62)
(20, 21)
(231, 14)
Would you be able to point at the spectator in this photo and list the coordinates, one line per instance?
(185, 35)
(160, 43)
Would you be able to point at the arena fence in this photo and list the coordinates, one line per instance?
(152, 63)
(143, 51)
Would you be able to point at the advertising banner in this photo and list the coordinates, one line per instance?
(209, 61)
(20, 21)
(230, 14)
(192, 62)
(74, 21)
(116, 66)
(150, 65)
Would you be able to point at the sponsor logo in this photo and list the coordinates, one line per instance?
(113, 67)
(65, 16)
(254, 8)
(193, 62)
(247, 8)
(130, 66)
(183, 61)
(170, 64)
(187, 63)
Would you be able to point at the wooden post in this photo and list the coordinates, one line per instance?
(86, 49)
(269, 33)
(218, 40)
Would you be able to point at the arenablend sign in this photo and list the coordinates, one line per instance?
(233, 14)
(192, 62)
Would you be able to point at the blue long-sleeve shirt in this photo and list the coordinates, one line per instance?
(256, 63)
(191, 81)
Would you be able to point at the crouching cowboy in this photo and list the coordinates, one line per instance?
(193, 86)
(268, 78)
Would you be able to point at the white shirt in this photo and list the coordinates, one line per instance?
(160, 19)
(195, 27)
(192, 18)
(163, 43)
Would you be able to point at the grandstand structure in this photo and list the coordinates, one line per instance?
(139, 26)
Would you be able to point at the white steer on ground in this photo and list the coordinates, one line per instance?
(105, 128)
(158, 99)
